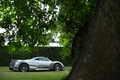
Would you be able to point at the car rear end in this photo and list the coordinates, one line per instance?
(13, 65)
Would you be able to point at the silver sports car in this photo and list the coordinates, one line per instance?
(36, 63)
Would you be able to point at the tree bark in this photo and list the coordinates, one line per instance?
(99, 57)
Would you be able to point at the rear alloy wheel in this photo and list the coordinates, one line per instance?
(24, 67)
(57, 67)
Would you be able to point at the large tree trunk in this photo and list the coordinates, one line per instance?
(99, 57)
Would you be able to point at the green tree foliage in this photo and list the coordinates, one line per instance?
(27, 22)
(73, 15)
(1, 40)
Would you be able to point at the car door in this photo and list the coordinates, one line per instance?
(44, 63)
(32, 63)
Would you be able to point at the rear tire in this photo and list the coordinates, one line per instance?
(24, 67)
(57, 67)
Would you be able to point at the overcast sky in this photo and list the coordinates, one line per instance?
(2, 30)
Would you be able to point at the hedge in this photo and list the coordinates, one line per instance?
(53, 53)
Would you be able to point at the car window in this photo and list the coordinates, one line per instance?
(39, 59)
(42, 59)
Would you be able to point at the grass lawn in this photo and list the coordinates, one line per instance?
(6, 74)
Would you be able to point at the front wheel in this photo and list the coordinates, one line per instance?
(57, 67)
(23, 67)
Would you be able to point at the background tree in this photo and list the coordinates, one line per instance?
(27, 22)
(72, 16)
